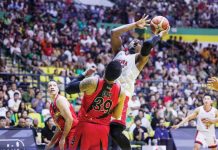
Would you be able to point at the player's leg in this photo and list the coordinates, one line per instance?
(197, 146)
(116, 130)
(199, 140)
(117, 127)
(211, 141)
(69, 139)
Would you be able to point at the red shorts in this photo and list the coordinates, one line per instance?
(68, 141)
(91, 136)
(122, 120)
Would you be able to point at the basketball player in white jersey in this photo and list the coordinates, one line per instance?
(132, 62)
(206, 116)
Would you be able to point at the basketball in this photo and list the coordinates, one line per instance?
(158, 24)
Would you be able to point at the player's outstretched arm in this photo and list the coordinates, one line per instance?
(188, 118)
(86, 85)
(119, 108)
(143, 56)
(212, 83)
(116, 41)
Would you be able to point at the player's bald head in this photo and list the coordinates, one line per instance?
(113, 70)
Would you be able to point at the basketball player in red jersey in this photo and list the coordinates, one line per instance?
(63, 114)
(103, 98)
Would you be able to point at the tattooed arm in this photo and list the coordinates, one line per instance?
(88, 85)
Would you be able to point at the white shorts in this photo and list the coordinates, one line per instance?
(206, 139)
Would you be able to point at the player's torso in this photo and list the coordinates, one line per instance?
(97, 108)
(59, 119)
(129, 71)
(205, 115)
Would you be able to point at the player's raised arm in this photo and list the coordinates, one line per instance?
(119, 108)
(116, 41)
(143, 56)
(188, 118)
(212, 83)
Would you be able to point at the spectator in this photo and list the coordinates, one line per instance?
(48, 130)
(140, 133)
(46, 111)
(2, 98)
(3, 123)
(9, 120)
(37, 102)
(161, 132)
(13, 90)
(145, 122)
(3, 109)
(21, 123)
(28, 95)
(134, 105)
(14, 103)
(29, 124)
(25, 84)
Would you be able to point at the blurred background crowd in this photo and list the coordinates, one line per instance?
(61, 39)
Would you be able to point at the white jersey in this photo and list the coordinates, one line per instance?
(129, 71)
(202, 114)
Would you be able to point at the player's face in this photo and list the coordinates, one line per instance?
(53, 88)
(138, 48)
(207, 100)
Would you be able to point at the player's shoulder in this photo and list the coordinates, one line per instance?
(198, 109)
(60, 98)
(120, 53)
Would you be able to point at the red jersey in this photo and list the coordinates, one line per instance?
(58, 119)
(97, 108)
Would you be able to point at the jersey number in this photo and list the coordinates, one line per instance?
(99, 105)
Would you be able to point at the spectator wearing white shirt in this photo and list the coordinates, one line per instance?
(145, 122)
(13, 90)
(3, 109)
(14, 102)
(134, 105)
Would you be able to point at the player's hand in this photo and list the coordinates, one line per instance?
(164, 32)
(207, 121)
(48, 146)
(90, 71)
(175, 126)
(143, 22)
(212, 83)
(61, 143)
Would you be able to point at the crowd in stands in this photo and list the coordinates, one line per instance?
(65, 36)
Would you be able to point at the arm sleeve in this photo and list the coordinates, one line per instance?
(79, 78)
(149, 44)
(73, 87)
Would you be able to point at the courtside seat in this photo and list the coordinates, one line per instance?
(44, 69)
(44, 78)
(51, 70)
